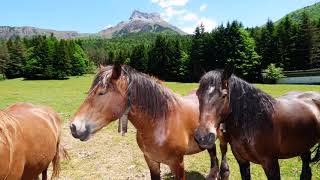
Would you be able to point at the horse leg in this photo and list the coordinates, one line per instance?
(177, 168)
(306, 173)
(44, 174)
(214, 172)
(272, 169)
(224, 168)
(154, 168)
(244, 170)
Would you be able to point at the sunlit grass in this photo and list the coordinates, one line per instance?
(111, 156)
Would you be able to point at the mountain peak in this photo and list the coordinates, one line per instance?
(138, 15)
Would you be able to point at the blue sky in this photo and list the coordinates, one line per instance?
(94, 15)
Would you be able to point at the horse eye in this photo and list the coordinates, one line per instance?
(224, 93)
(102, 93)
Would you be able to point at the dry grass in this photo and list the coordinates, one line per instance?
(108, 155)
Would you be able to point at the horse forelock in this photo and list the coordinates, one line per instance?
(249, 107)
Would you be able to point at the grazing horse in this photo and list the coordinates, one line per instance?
(29, 142)
(165, 121)
(260, 128)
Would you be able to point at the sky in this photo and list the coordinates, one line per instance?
(91, 16)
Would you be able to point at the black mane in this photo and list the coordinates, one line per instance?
(250, 108)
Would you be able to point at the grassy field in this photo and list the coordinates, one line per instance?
(108, 155)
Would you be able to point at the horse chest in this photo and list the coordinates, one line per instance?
(152, 149)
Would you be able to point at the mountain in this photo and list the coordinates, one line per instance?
(141, 22)
(312, 10)
(7, 32)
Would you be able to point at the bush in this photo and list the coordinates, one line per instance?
(2, 77)
(272, 74)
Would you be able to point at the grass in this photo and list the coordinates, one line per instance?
(108, 155)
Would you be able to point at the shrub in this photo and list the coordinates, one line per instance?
(2, 77)
(272, 74)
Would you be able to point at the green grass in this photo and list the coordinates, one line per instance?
(108, 155)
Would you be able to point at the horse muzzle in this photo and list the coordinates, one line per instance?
(83, 135)
(206, 141)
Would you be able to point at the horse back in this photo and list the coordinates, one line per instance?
(38, 131)
(297, 122)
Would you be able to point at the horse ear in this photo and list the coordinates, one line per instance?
(101, 66)
(227, 72)
(116, 71)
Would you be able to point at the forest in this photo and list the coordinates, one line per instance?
(288, 44)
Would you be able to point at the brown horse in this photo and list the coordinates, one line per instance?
(29, 141)
(165, 121)
(260, 129)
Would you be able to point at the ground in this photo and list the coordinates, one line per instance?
(108, 155)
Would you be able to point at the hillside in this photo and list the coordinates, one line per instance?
(312, 10)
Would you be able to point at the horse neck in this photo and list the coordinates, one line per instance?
(142, 121)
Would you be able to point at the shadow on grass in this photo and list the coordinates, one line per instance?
(190, 175)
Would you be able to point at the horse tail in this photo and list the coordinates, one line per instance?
(60, 152)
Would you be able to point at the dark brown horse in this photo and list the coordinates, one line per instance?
(259, 128)
(29, 142)
(165, 121)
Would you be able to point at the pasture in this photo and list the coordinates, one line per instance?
(108, 155)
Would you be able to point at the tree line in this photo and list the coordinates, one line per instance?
(288, 44)
(43, 57)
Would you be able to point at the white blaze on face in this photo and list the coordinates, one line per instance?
(211, 89)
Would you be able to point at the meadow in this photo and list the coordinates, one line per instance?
(108, 155)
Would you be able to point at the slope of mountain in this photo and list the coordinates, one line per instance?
(141, 22)
(312, 10)
(7, 32)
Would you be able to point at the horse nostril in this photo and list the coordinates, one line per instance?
(211, 137)
(73, 128)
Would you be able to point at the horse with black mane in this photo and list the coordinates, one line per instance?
(165, 121)
(260, 129)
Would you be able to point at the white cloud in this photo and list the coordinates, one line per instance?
(189, 16)
(188, 30)
(203, 7)
(170, 12)
(208, 23)
(170, 3)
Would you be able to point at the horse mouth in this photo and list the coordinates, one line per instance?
(84, 136)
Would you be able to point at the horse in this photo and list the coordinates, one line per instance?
(29, 142)
(260, 129)
(165, 121)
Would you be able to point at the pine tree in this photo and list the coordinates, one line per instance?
(14, 66)
(303, 44)
(139, 58)
(4, 57)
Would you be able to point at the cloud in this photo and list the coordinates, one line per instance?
(170, 3)
(189, 16)
(170, 12)
(189, 30)
(203, 7)
(208, 23)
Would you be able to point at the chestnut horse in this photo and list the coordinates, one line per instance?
(29, 141)
(165, 121)
(260, 128)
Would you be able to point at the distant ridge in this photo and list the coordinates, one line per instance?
(139, 22)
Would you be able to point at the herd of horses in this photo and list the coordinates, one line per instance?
(258, 127)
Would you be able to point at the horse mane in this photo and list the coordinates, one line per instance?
(145, 92)
(250, 108)
(6, 121)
